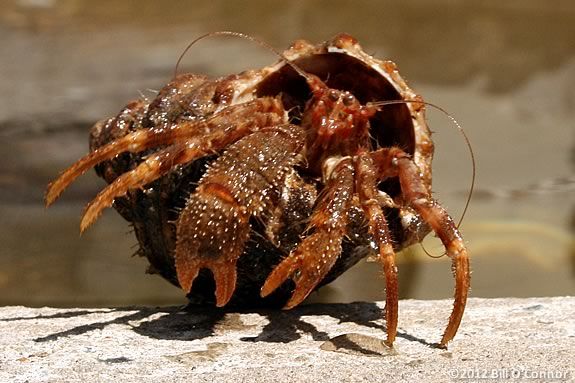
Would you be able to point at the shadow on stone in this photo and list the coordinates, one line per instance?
(285, 326)
(193, 322)
(358, 344)
(188, 323)
(82, 329)
(67, 314)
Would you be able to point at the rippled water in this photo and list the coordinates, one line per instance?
(506, 71)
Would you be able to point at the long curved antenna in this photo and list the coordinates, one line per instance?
(467, 141)
(247, 37)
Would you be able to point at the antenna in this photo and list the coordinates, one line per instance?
(467, 142)
(247, 37)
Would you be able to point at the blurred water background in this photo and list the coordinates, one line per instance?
(505, 70)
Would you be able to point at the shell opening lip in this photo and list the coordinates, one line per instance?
(392, 125)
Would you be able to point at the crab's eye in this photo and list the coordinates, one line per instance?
(348, 99)
(333, 95)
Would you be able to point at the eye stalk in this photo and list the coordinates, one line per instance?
(348, 99)
(333, 95)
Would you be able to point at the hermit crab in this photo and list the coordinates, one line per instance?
(259, 187)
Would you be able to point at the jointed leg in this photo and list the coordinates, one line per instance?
(161, 162)
(151, 169)
(366, 186)
(442, 224)
(314, 257)
(395, 162)
(225, 121)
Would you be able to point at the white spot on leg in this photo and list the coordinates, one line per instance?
(137, 140)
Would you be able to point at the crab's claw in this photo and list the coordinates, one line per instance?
(211, 234)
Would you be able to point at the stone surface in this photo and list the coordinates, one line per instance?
(499, 340)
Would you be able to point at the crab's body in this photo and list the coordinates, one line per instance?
(305, 176)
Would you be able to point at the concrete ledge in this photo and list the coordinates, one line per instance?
(499, 340)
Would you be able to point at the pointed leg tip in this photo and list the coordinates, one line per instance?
(303, 289)
(186, 277)
(267, 288)
(274, 280)
(272, 284)
(225, 276)
(445, 340)
(298, 297)
(85, 224)
(289, 305)
(223, 295)
(49, 197)
(92, 212)
(264, 293)
(292, 303)
(185, 285)
(54, 190)
(441, 345)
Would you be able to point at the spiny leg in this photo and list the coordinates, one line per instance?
(143, 139)
(314, 257)
(243, 182)
(394, 161)
(366, 187)
(161, 162)
(153, 167)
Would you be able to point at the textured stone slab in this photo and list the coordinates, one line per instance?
(500, 340)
